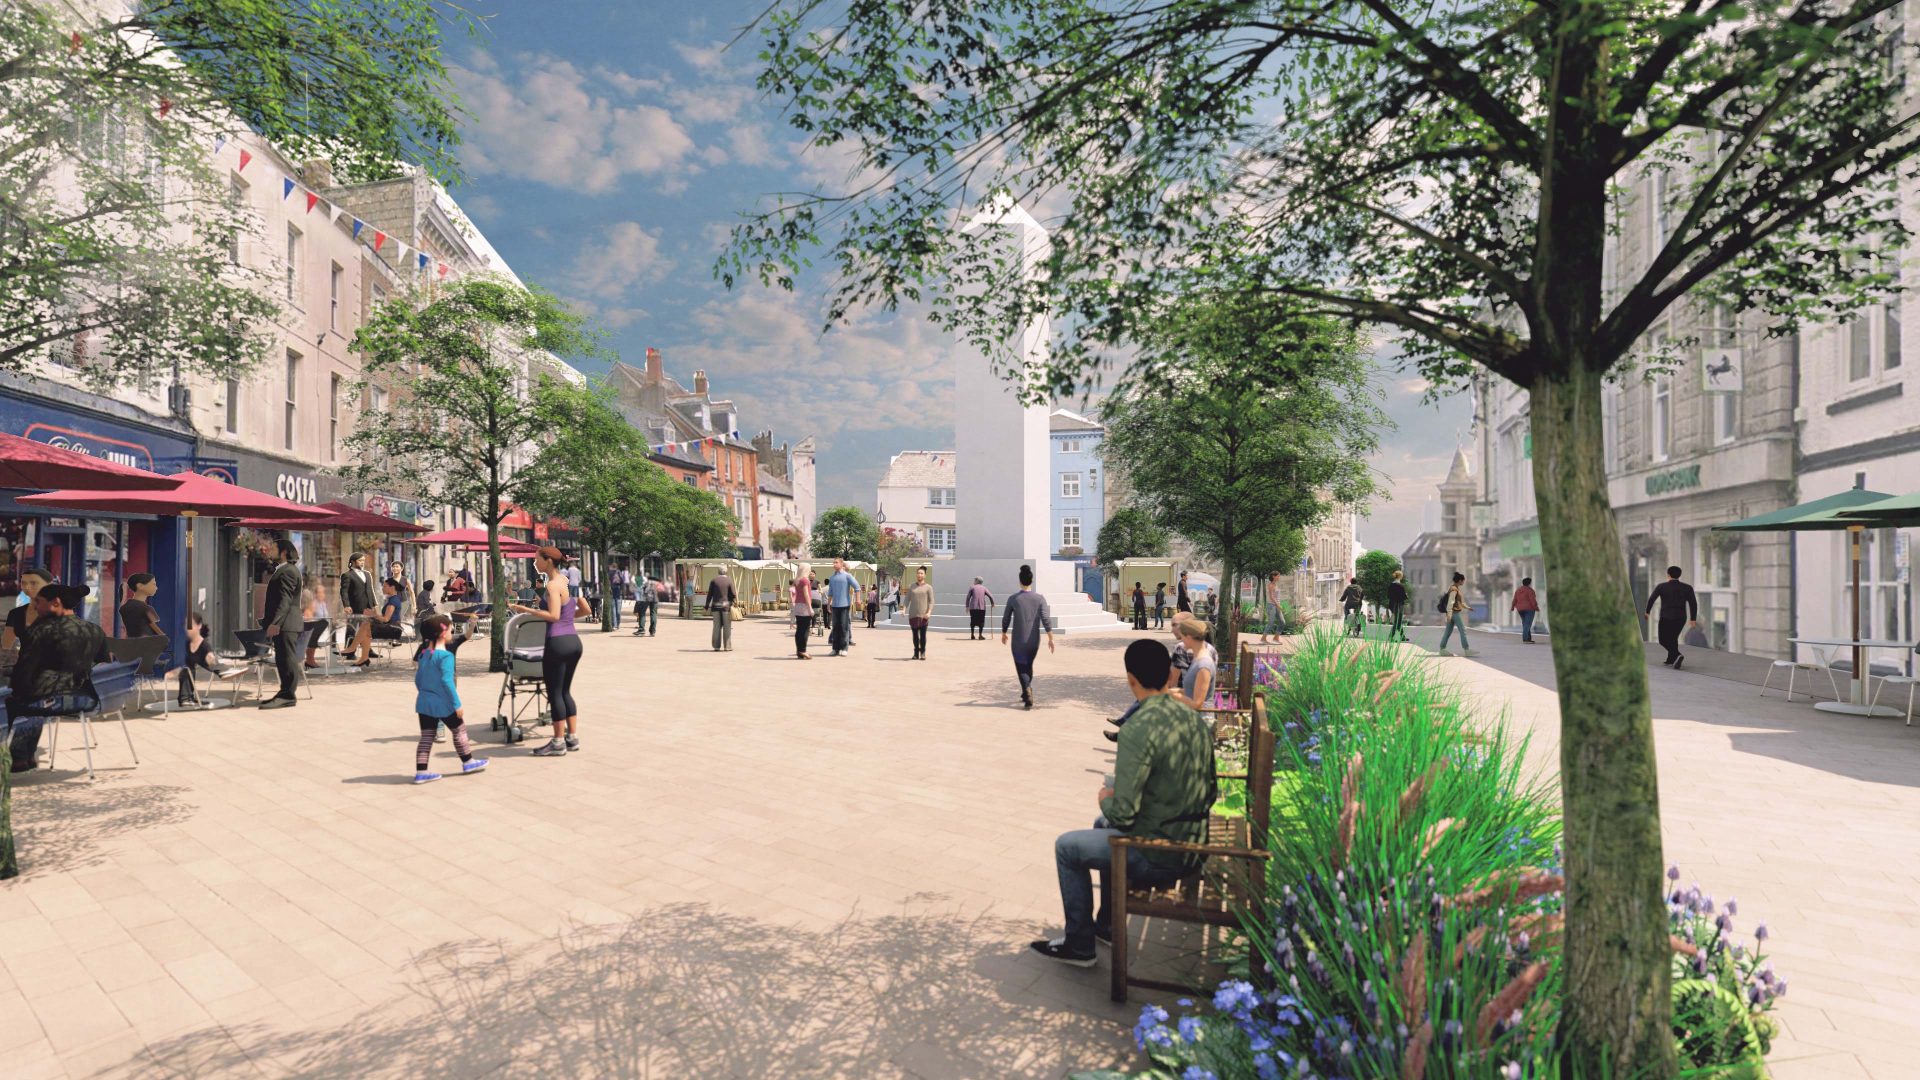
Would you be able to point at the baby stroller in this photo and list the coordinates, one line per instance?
(523, 691)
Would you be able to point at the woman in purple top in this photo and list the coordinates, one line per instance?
(562, 653)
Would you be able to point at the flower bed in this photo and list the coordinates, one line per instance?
(1415, 930)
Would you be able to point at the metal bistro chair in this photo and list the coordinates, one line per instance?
(115, 688)
(146, 651)
(1795, 667)
(258, 656)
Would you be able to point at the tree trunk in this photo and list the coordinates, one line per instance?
(607, 599)
(497, 590)
(9, 864)
(1617, 1007)
(1226, 613)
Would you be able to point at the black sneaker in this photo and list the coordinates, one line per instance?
(1678, 661)
(1057, 950)
(1103, 936)
(1026, 698)
(573, 744)
(1112, 736)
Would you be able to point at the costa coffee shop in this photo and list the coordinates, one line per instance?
(238, 560)
(98, 549)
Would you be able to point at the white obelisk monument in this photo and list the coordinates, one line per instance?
(1003, 484)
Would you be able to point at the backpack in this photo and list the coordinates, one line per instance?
(1443, 605)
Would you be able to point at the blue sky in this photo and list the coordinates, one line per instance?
(609, 147)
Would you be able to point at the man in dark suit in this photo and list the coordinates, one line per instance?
(356, 592)
(284, 624)
(720, 601)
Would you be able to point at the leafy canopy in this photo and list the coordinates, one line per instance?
(1375, 571)
(1131, 533)
(895, 548)
(846, 532)
(785, 540)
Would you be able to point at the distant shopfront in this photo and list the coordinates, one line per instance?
(234, 559)
(98, 550)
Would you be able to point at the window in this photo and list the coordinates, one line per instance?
(690, 481)
(293, 396)
(237, 204)
(1070, 446)
(293, 266)
(939, 496)
(1658, 221)
(940, 540)
(1884, 615)
(333, 417)
(1662, 419)
(1890, 324)
(333, 297)
(1069, 485)
(1610, 425)
(1860, 348)
(1719, 591)
(1070, 532)
(1723, 406)
(376, 397)
(233, 406)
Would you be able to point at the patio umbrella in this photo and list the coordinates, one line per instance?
(40, 466)
(460, 536)
(189, 496)
(1899, 512)
(338, 517)
(1829, 514)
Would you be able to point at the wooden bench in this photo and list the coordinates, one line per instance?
(1231, 878)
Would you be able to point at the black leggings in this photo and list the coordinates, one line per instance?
(919, 637)
(557, 662)
(801, 625)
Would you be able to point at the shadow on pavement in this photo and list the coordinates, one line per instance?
(687, 991)
(61, 822)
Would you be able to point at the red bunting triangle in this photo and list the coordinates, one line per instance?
(379, 238)
(311, 199)
(244, 158)
(166, 106)
(73, 45)
(443, 269)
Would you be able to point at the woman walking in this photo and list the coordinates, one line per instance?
(1526, 603)
(1454, 605)
(873, 604)
(437, 701)
(562, 653)
(1139, 606)
(802, 615)
(1160, 606)
(919, 610)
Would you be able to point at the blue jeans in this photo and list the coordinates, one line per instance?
(1023, 667)
(842, 633)
(1526, 626)
(1276, 624)
(614, 613)
(1075, 855)
(1456, 621)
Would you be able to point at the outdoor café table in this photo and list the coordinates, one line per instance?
(1858, 706)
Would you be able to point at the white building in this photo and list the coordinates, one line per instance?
(917, 495)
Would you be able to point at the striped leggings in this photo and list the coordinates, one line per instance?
(430, 724)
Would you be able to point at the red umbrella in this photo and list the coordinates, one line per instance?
(462, 536)
(339, 517)
(191, 495)
(25, 463)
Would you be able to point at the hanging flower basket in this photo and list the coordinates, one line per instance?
(244, 540)
(1727, 542)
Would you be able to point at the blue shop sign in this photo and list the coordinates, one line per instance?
(95, 436)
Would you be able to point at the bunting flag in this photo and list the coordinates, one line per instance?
(218, 143)
(333, 213)
(244, 158)
(73, 43)
(311, 199)
(399, 252)
(288, 188)
(357, 226)
(379, 238)
(443, 270)
(166, 106)
(423, 261)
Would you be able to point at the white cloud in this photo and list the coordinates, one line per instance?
(752, 144)
(702, 57)
(549, 121)
(626, 257)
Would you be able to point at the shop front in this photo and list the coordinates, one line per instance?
(98, 550)
(417, 563)
(238, 561)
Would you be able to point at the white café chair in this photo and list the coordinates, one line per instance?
(1824, 662)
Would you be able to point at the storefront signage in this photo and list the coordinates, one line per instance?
(118, 451)
(295, 487)
(1681, 479)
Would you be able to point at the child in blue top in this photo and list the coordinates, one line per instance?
(438, 701)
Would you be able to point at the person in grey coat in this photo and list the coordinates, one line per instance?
(720, 597)
(1021, 625)
(284, 625)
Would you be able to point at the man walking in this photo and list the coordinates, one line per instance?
(284, 624)
(979, 601)
(356, 592)
(617, 593)
(840, 592)
(1021, 625)
(720, 605)
(1182, 602)
(1678, 607)
(1397, 607)
(1526, 604)
(1455, 607)
(646, 607)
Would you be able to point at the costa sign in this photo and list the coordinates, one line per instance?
(296, 488)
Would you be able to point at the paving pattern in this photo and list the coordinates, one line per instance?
(765, 868)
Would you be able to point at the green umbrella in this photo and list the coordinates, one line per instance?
(1899, 512)
(1829, 514)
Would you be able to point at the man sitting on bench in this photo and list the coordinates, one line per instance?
(1163, 789)
(54, 676)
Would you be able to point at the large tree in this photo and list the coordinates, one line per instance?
(1453, 172)
(845, 532)
(465, 367)
(1131, 533)
(115, 222)
(1259, 425)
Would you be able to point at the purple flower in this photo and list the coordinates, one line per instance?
(1733, 905)
(1512, 1071)
(1190, 1029)
(1673, 873)
(1760, 932)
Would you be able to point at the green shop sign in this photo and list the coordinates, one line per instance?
(1663, 483)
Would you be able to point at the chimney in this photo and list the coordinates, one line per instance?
(656, 371)
(699, 382)
(317, 174)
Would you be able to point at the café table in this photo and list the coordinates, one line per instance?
(1858, 706)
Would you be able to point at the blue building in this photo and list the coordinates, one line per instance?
(1078, 502)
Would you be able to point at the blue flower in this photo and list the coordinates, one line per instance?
(1151, 1017)
(1195, 1072)
(1190, 1029)
(1236, 998)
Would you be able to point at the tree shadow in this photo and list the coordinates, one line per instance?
(687, 991)
(1107, 695)
(60, 824)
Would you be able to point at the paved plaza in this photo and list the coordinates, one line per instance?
(766, 868)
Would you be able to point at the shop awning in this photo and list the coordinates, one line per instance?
(340, 517)
(39, 466)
